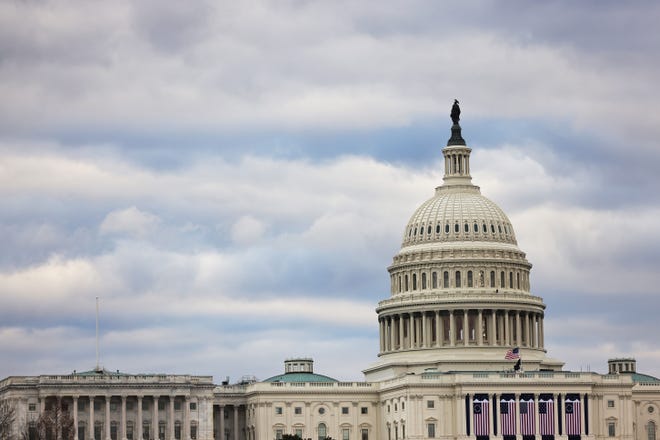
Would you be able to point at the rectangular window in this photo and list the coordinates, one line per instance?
(344, 410)
(278, 434)
(430, 404)
(32, 407)
(161, 430)
(193, 432)
(177, 431)
(430, 428)
(297, 410)
(177, 405)
(81, 405)
(145, 405)
(97, 406)
(129, 406)
(129, 431)
(278, 410)
(113, 407)
(345, 434)
(298, 432)
(146, 427)
(365, 434)
(193, 406)
(113, 431)
(98, 430)
(364, 410)
(81, 432)
(610, 403)
(611, 429)
(161, 405)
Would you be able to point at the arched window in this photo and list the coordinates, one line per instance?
(518, 280)
(467, 228)
(437, 229)
(177, 430)
(428, 230)
(456, 228)
(323, 431)
(447, 228)
(492, 278)
(469, 281)
(399, 283)
(414, 281)
(421, 230)
(499, 228)
(476, 227)
(502, 279)
(511, 280)
(484, 228)
(445, 280)
(434, 280)
(458, 278)
(650, 430)
(492, 228)
(406, 280)
(424, 281)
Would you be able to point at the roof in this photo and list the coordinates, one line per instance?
(300, 377)
(639, 377)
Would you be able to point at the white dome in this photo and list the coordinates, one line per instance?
(458, 214)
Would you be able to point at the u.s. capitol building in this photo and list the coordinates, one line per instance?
(459, 317)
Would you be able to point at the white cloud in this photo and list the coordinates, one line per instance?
(247, 230)
(129, 221)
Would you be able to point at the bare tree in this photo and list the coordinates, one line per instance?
(7, 416)
(53, 424)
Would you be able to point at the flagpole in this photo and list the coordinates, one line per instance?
(98, 367)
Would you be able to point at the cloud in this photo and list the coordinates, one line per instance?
(130, 221)
(247, 230)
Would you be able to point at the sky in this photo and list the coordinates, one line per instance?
(232, 179)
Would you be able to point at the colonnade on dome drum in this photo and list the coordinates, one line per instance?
(460, 327)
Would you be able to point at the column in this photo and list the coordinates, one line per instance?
(425, 335)
(583, 401)
(518, 338)
(505, 331)
(537, 417)
(185, 435)
(438, 335)
(480, 329)
(58, 434)
(123, 416)
(401, 347)
(466, 329)
(75, 417)
(517, 397)
(138, 435)
(222, 423)
(170, 422)
(154, 418)
(493, 329)
(42, 405)
(490, 415)
(236, 430)
(541, 336)
(91, 418)
(107, 417)
(410, 331)
(530, 319)
(392, 333)
(452, 329)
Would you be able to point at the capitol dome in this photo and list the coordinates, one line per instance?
(460, 295)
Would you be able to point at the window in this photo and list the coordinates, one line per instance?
(403, 406)
(434, 280)
(162, 427)
(81, 405)
(430, 404)
(321, 410)
(177, 430)
(365, 434)
(177, 405)
(456, 228)
(298, 432)
(476, 227)
(193, 432)
(484, 228)
(447, 228)
(414, 281)
(388, 408)
(98, 430)
(470, 282)
(278, 434)
(129, 406)
(424, 280)
(458, 278)
(610, 403)
(611, 429)
(146, 427)
(297, 410)
(510, 280)
(437, 229)
(81, 432)
(129, 430)
(492, 228)
(345, 434)
(344, 410)
(492, 278)
(445, 279)
(278, 410)
(193, 406)
(406, 278)
(428, 230)
(467, 228)
(430, 429)
(145, 405)
(97, 406)
(650, 429)
(32, 407)
(161, 405)
(113, 407)
(322, 431)
(502, 279)
(113, 430)
(364, 410)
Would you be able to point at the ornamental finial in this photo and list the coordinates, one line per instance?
(455, 112)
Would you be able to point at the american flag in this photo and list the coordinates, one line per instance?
(547, 417)
(512, 354)
(573, 416)
(508, 416)
(527, 421)
(480, 411)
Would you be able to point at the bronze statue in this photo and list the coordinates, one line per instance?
(455, 112)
